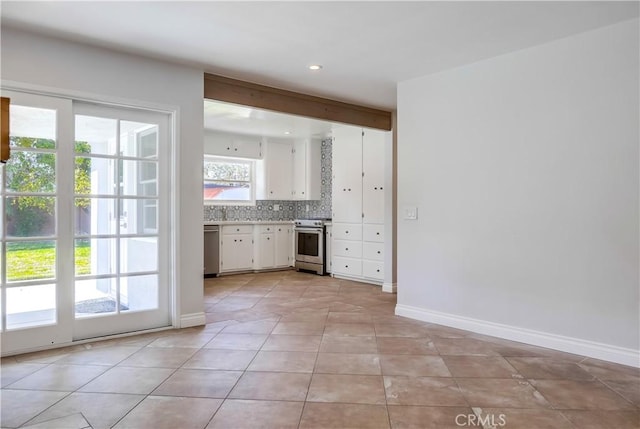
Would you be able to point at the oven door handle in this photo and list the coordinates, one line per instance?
(315, 230)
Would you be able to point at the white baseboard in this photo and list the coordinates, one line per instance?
(577, 346)
(389, 287)
(357, 279)
(192, 319)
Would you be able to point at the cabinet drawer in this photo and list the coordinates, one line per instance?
(237, 229)
(267, 229)
(346, 266)
(373, 232)
(347, 231)
(373, 270)
(373, 251)
(352, 249)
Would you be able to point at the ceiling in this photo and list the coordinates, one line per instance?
(365, 48)
(236, 119)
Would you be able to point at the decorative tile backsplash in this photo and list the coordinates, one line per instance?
(288, 210)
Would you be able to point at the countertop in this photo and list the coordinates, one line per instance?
(253, 222)
(249, 222)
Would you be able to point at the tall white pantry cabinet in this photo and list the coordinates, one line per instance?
(359, 194)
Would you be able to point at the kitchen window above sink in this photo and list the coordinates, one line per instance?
(229, 181)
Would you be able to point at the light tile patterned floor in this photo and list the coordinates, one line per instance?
(291, 350)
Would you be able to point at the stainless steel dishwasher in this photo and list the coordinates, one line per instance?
(211, 250)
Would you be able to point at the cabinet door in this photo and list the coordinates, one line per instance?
(347, 174)
(328, 243)
(266, 250)
(299, 170)
(244, 249)
(282, 245)
(247, 147)
(236, 252)
(373, 195)
(279, 171)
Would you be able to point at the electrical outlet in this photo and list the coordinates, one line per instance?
(307, 207)
(276, 207)
(410, 212)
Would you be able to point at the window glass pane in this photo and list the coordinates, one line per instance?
(138, 139)
(31, 260)
(31, 306)
(95, 176)
(95, 216)
(138, 254)
(95, 296)
(95, 256)
(32, 127)
(31, 172)
(96, 135)
(135, 174)
(226, 170)
(30, 216)
(139, 292)
(227, 191)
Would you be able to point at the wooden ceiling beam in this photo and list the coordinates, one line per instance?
(265, 97)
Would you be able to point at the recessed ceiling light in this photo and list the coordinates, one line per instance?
(287, 132)
(315, 67)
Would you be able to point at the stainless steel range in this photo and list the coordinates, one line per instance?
(310, 245)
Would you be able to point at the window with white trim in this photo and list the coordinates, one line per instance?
(229, 181)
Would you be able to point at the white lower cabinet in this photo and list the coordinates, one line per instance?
(328, 243)
(236, 248)
(256, 247)
(283, 245)
(346, 266)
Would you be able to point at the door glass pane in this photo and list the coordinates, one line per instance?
(96, 135)
(95, 216)
(138, 216)
(32, 127)
(30, 216)
(138, 139)
(135, 174)
(96, 296)
(30, 260)
(100, 173)
(139, 292)
(31, 172)
(31, 306)
(308, 244)
(96, 256)
(138, 254)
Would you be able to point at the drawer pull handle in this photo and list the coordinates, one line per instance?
(378, 252)
(376, 188)
(346, 232)
(349, 189)
(344, 189)
(377, 233)
(378, 271)
(381, 188)
(346, 266)
(346, 248)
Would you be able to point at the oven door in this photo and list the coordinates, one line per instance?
(310, 245)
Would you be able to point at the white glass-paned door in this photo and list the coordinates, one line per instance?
(121, 267)
(85, 222)
(35, 300)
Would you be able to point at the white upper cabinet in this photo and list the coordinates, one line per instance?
(373, 195)
(306, 169)
(290, 170)
(234, 145)
(275, 171)
(347, 174)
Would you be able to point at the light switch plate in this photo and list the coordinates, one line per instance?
(410, 212)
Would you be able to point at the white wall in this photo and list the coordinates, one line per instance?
(71, 68)
(525, 171)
